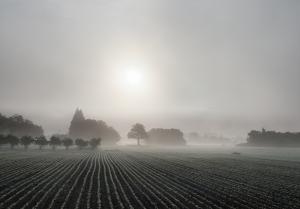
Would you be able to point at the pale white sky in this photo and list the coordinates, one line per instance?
(216, 65)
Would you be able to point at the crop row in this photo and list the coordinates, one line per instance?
(122, 178)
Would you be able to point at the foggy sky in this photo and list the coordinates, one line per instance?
(223, 66)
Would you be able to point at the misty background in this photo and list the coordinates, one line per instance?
(210, 66)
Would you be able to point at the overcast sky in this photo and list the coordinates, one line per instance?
(222, 66)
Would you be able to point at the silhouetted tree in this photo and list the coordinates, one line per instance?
(12, 140)
(95, 142)
(80, 143)
(83, 128)
(67, 142)
(54, 141)
(26, 141)
(137, 132)
(108, 134)
(41, 141)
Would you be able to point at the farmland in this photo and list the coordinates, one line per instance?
(120, 177)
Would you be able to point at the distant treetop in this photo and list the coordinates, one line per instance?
(87, 129)
(160, 136)
(273, 138)
(78, 115)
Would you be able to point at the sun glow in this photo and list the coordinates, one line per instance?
(133, 77)
(134, 89)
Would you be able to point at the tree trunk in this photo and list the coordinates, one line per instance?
(138, 141)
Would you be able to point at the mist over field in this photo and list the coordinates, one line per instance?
(209, 66)
(149, 104)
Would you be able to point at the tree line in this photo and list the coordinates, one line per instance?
(42, 141)
(156, 136)
(83, 132)
(80, 128)
(19, 126)
(273, 138)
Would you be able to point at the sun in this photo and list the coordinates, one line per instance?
(131, 80)
(133, 77)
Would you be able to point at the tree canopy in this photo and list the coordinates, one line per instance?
(67, 142)
(81, 143)
(137, 132)
(83, 128)
(54, 141)
(95, 142)
(273, 138)
(41, 141)
(18, 126)
(26, 141)
(160, 136)
(12, 140)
